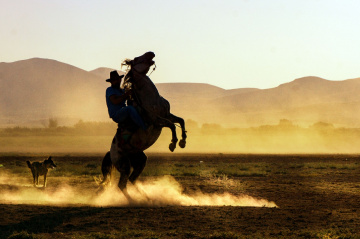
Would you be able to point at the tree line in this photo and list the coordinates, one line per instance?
(109, 128)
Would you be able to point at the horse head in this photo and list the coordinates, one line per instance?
(141, 64)
(137, 70)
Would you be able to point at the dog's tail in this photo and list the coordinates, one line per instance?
(106, 167)
(29, 164)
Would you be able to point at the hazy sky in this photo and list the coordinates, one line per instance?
(227, 43)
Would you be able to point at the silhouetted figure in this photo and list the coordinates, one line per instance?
(116, 102)
(129, 157)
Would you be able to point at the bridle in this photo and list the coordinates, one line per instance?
(153, 68)
(132, 64)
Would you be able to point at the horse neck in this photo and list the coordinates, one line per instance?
(144, 86)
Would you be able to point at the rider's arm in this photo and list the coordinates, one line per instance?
(118, 99)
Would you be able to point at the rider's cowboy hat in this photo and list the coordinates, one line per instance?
(114, 75)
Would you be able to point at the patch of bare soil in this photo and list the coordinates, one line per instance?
(317, 197)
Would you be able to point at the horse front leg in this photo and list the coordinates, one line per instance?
(166, 122)
(174, 139)
(176, 119)
(106, 167)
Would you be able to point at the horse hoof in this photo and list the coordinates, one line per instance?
(182, 143)
(172, 146)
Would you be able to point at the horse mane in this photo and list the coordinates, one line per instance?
(128, 63)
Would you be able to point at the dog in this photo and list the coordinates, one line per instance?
(40, 168)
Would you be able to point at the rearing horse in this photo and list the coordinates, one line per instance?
(155, 110)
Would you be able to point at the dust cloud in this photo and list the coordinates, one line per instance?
(164, 191)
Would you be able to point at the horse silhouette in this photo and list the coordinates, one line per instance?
(127, 150)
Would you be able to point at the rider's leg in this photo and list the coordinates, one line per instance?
(134, 115)
(129, 111)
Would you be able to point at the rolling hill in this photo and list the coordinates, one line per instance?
(34, 90)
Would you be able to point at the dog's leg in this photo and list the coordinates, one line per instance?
(33, 174)
(37, 178)
(32, 171)
(45, 180)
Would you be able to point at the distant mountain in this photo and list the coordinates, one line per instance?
(34, 90)
(37, 89)
(306, 99)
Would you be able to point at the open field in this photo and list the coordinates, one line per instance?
(201, 196)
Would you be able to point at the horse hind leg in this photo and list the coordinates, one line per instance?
(138, 163)
(122, 185)
(124, 168)
(106, 167)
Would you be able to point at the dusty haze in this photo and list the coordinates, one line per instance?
(284, 138)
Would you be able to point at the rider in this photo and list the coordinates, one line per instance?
(115, 101)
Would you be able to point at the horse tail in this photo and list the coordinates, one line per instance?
(106, 167)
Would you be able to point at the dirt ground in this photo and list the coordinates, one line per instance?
(317, 196)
